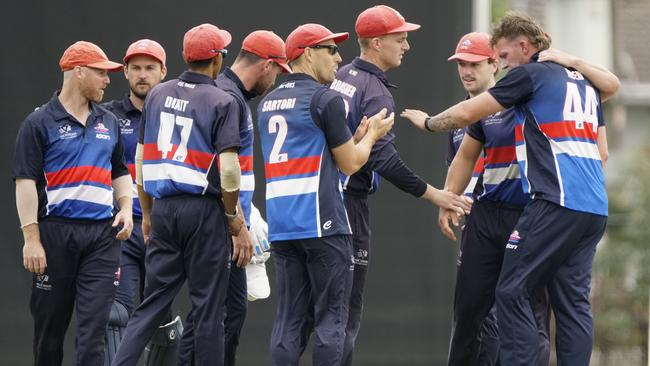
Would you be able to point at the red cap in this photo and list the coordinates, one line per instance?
(310, 35)
(267, 45)
(84, 53)
(473, 47)
(380, 20)
(203, 41)
(146, 47)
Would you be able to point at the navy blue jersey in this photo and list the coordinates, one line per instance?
(364, 88)
(187, 122)
(230, 83)
(558, 113)
(73, 165)
(129, 118)
(300, 122)
(500, 181)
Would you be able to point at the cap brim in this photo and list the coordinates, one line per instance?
(336, 37)
(106, 65)
(406, 27)
(226, 36)
(467, 57)
(285, 68)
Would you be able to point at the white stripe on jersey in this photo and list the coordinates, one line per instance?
(176, 173)
(92, 194)
(578, 149)
(470, 186)
(247, 183)
(292, 187)
(498, 175)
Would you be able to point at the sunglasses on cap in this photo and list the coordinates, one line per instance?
(333, 49)
(223, 52)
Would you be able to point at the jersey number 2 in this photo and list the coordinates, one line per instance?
(573, 110)
(167, 123)
(277, 124)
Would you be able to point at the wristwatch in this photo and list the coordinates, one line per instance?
(232, 216)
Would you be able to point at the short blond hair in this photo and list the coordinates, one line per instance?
(515, 24)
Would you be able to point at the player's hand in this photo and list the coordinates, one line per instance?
(242, 248)
(124, 218)
(451, 201)
(235, 225)
(557, 56)
(259, 232)
(146, 229)
(379, 124)
(361, 130)
(417, 117)
(444, 217)
(34, 257)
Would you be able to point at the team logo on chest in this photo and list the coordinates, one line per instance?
(101, 132)
(66, 132)
(125, 126)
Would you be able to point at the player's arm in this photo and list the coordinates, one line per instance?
(242, 244)
(457, 116)
(122, 191)
(603, 79)
(602, 145)
(230, 174)
(34, 259)
(462, 166)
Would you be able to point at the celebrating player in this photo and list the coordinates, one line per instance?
(261, 58)
(304, 140)
(363, 84)
(69, 169)
(188, 123)
(554, 241)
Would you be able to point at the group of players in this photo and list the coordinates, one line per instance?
(532, 164)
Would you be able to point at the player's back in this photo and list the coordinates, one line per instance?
(303, 194)
(187, 122)
(557, 139)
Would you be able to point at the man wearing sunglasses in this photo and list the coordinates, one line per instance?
(305, 141)
(187, 124)
(260, 60)
(382, 33)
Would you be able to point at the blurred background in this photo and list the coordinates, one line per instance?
(408, 298)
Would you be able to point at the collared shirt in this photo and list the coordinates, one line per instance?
(300, 122)
(129, 118)
(187, 122)
(365, 89)
(73, 164)
(230, 83)
(558, 113)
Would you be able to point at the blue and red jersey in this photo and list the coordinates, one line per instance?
(365, 90)
(501, 180)
(129, 119)
(299, 122)
(558, 113)
(230, 83)
(187, 122)
(73, 165)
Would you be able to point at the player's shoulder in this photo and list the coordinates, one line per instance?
(107, 114)
(112, 105)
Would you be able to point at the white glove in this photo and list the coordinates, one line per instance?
(259, 234)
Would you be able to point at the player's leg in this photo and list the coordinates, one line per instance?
(330, 266)
(53, 293)
(207, 264)
(130, 279)
(569, 293)
(236, 307)
(488, 353)
(542, 311)
(96, 283)
(164, 276)
(293, 291)
(478, 270)
(359, 216)
(543, 238)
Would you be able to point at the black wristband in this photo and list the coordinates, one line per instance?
(426, 124)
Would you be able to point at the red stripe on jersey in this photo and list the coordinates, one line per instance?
(305, 165)
(198, 159)
(79, 174)
(480, 164)
(246, 163)
(500, 155)
(131, 168)
(519, 133)
(565, 129)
